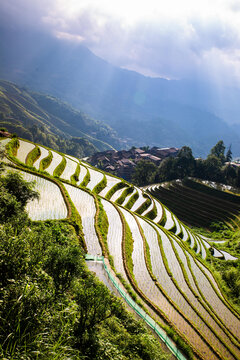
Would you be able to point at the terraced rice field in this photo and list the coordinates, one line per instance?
(69, 169)
(23, 150)
(44, 154)
(159, 211)
(114, 237)
(85, 205)
(111, 181)
(116, 195)
(169, 224)
(95, 178)
(83, 173)
(51, 204)
(56, 160)
(188, 201)
(148, 287)
(141, 199)
(176, 287)
(127, 198)
(150, 208)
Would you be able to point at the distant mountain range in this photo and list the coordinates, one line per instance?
(142, 110)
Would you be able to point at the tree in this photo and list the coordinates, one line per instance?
(144, 173)
(229, 154)
(185, 162)
(212, 168)
(218, 151)
(22, 190)
(64, 265)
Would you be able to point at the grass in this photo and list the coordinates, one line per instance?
(46, 161)
(60, 168)
(100, 186)
(132, 200)
(153, 213)
(86, 179)
(145, 205)
(13, 146)
(102, 225)
(124, 194)
(33, 155)
(113, 189)
(75, 177)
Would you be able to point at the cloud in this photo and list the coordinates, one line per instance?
(177, 42)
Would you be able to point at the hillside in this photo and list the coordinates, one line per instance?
(188, 199)
(49, 121)
(163, 265)
(143, 110)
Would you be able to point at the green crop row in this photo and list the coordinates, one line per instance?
(60, 168)
(152, 213)
(113, 189)
(145, 205)
(86, 179)
(132, 200)
(33, 155)
(101, 225)
(100, 186)
(13, 146)
(124, 194)
(44, 163)
(75, 177)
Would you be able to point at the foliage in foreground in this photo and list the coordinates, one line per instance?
(51, 306)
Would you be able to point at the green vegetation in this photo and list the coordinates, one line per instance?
(144, 173)
(100, 186)
(113, 189)
(60, 168)
(75, 177)
(86, 179)
(132, 200)
(128, 249)
(200, 205)
(145, 205)
(152, 213)
(124, 194)
(51, 306)
(102, 224)
(215, 168)
(13, 146)
(227, 272)
(32, 156)
(50, 122)
(44, 163)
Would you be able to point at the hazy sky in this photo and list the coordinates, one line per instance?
(168, 38)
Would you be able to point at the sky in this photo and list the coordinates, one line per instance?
(173, 39)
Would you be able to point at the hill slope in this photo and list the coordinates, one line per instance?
(162, 263)
(46, 120)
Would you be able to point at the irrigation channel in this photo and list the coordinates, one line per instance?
(99, 265)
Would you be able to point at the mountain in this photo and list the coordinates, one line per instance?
(143, 110)
(51, 122)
